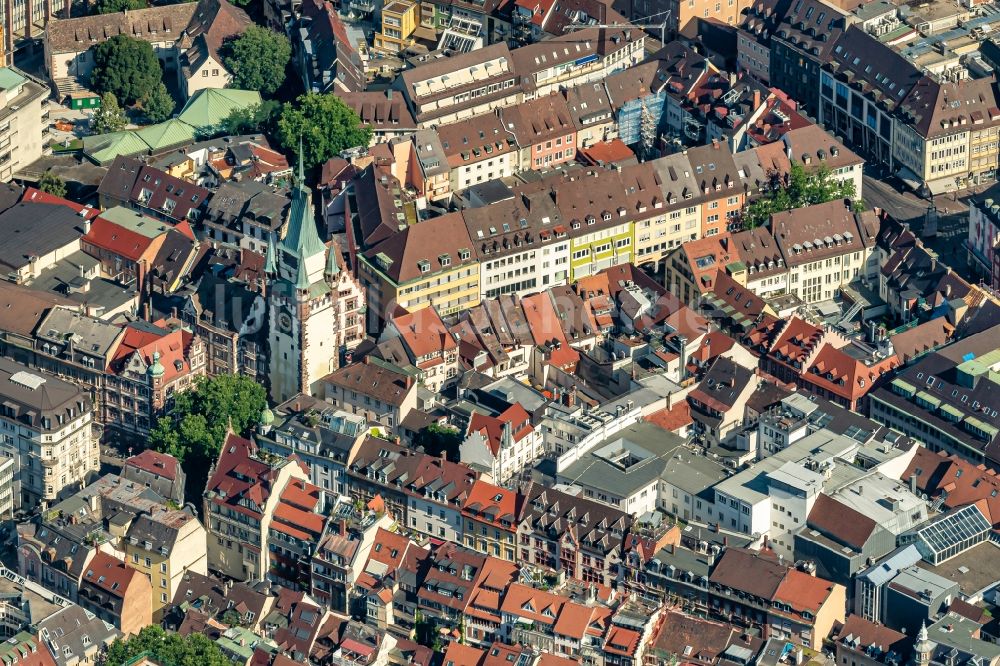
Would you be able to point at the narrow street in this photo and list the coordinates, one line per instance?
(902, 205)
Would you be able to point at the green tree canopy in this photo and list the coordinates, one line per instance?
(158, 104)
(325, 125)
(255, 118)
(436, 439)
(126, 67)
(797, 189)
(257, 59)
(53, 184)
(109, 117)
(115, 6)
(167, 648)
(195, 429)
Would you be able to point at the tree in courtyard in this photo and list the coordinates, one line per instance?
(115, 6)
(158, 104)
(797, 189)
(53, 184)
(324, 124)
(109, 117)
(196, 427)
(127, 67)
(257, 59)
(252, 119)
(164, 647)
(437, 439)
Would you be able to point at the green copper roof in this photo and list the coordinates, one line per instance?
(301, 238)
(166, 134)
(157, 369)
(203, 114)
(10, 79)
(209, 107)
(104, 148)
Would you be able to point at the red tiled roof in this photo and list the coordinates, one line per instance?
(803, 592)
(458, 654)
(156, 463)
(797, 339)
(237, 473)
(424, 332)
(869, 633)
(542, 319)
(606, 152)
(622, 641)
(109, 574)
(289, 515)
(301, 494)
(483, 504)
(491, 427)
(857, 377)
(116, 239)
(960, 482)
(672, 418)
(171, 345)
(31, 195)
(717, 247)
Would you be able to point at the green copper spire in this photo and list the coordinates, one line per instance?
(157, 369)
(301, 240)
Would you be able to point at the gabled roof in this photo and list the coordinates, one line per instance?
(430, 241)
(114, 238)
(874, 65)
(958, 482)
(208, 107)
(540, 119)
(214, 22)
(424, 333)
(168, 134)
(32, 195)
(840, 522)
(382, 110)
(491, 427)
(756, 573)
(152, 342)
(803, 592)
(154, 462)
(492, 504)
(239, 474)
(111, 575)
(150, 24)
(841, 374)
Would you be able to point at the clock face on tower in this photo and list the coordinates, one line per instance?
(285, 322)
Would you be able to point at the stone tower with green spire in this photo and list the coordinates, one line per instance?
(313, 304)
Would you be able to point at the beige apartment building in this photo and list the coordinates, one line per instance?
(164, 546)
(46, 427)
(948, 139)
(24, 121)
